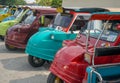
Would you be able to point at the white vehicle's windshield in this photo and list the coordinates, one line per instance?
(110, 33)
(62, 20)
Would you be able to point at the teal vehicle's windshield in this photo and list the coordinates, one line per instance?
(62, 20)
(110, 33)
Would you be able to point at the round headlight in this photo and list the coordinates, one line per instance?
(105, 44)
(87, 58)
(52, 36)
(18, 29)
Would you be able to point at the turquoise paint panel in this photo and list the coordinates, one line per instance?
(63, 36)
(45, 43)
(45, 28)
(105, 72)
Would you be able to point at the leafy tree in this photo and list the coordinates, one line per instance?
(45, 2)
(3, 2)
(53, 3)
(56, 3)
(20, 2)
(12, 2)
(37, 1)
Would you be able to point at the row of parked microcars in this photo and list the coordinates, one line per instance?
(81, 45)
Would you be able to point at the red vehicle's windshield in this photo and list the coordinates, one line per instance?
(29, 19)
(110, 33)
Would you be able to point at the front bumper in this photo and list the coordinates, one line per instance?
(16, 39)
(15, 44)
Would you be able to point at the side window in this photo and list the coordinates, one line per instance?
(45, 20)
(79, 22)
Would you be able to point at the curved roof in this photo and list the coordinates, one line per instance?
(106, 16)
(88, 10)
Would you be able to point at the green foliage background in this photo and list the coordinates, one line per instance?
(56, 3)
(12, 2)
(53, 3)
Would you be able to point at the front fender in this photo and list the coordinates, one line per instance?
(42, 45)
(70, 53)
(69, 64)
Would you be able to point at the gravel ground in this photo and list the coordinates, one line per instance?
(14, 68)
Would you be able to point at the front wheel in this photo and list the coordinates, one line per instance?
(54, 79)
(35, 62)
(2, 37)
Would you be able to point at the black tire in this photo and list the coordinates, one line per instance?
(35, 62)
(11, 48)
(54, 79)
(2, 37)
(49, 62)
